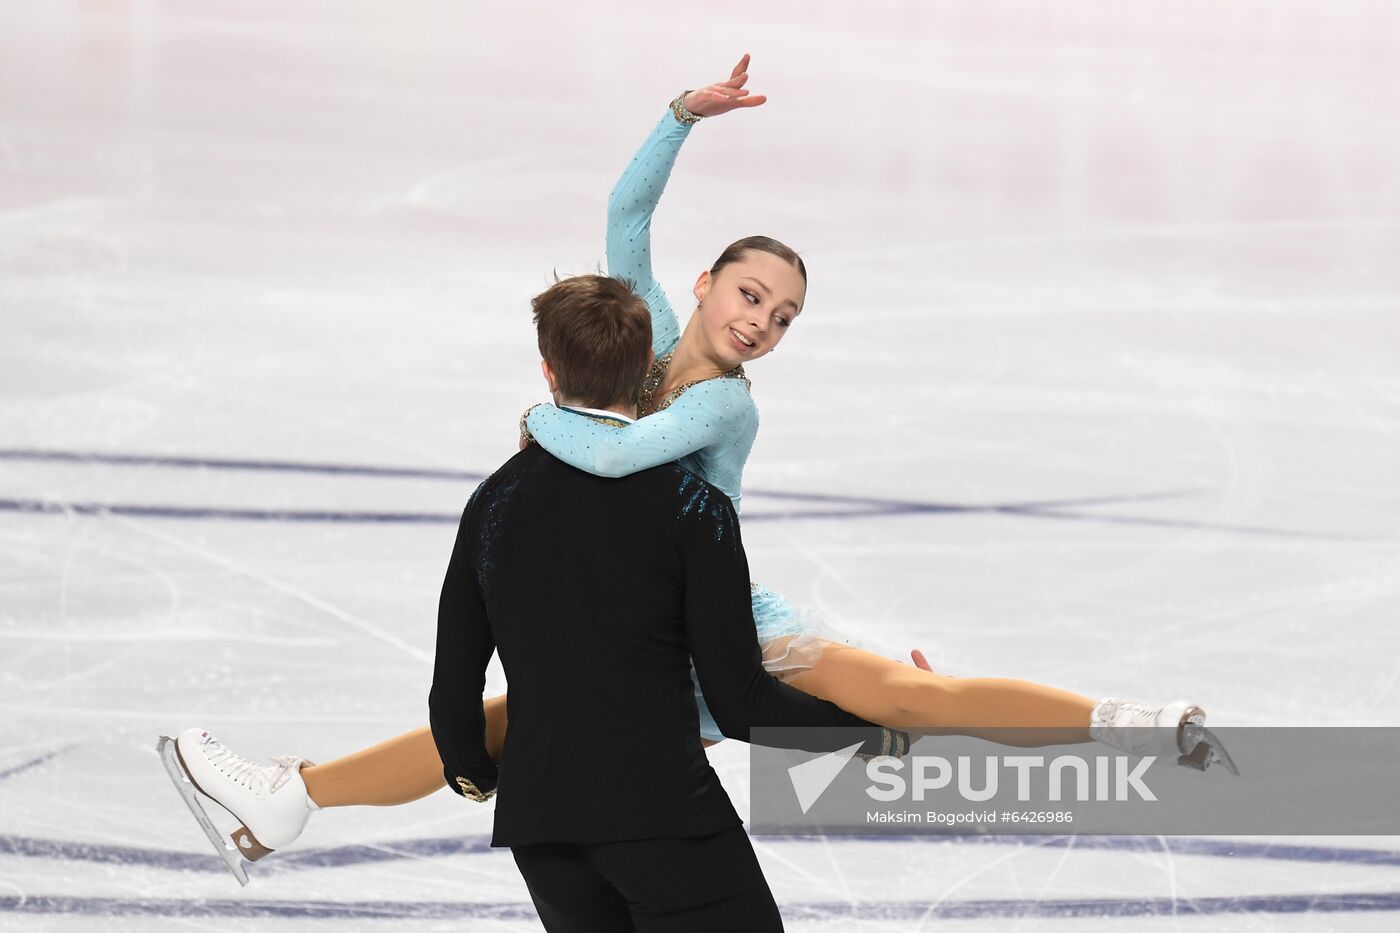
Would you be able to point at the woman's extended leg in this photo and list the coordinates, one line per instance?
(893, 694)
(398, 771)
(275, 801)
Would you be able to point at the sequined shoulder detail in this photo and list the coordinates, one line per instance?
(648, 403)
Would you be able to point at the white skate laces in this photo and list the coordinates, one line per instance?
(270, 800)
(249, 775)
(1175, 731)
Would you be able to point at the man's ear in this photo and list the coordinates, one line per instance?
(549, 376)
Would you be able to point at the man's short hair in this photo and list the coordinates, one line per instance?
(595, 333)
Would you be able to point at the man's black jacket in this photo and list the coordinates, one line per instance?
(598, 593)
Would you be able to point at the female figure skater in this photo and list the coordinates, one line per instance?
(696, 408)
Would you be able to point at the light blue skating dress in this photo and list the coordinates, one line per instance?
(708, 426)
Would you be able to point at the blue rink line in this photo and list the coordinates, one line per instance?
(33, 763)
(43, 507)
(230, 463)
(871, 911)
(340, 469)
(47, 507)
(849, 507)
(1054, 511)
(879, 910)
(446, 846)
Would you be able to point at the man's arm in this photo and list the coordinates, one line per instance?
(724, 646)
(464, 648)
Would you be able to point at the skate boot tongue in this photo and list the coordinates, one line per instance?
(287, 765)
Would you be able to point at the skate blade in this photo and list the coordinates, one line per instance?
(169, 757)
(1206, 750)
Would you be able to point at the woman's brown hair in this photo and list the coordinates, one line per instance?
(763, 244)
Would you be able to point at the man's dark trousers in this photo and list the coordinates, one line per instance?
(710, 883)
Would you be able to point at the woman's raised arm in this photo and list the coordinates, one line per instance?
(638, 191)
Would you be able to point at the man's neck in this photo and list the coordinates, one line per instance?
(626, 411)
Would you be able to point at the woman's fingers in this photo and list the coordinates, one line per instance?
(920, 661)
(725, 95)
(721, 98)
(740, 68)
(725, 102)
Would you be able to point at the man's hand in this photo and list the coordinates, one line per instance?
(725, 96)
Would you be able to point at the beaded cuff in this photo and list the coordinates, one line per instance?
(471, 792)
(525, 434)
(893, 742)
(680, 112)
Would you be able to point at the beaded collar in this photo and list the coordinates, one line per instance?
(648, 405)
(596, 417)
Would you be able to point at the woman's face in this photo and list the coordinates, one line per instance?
(747, 308)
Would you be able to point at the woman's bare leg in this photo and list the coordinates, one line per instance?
(401, 770)
(893, 694)
(873, 687)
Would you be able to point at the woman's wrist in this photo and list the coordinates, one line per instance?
(684, 115)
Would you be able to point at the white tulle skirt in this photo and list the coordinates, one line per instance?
(792, 640)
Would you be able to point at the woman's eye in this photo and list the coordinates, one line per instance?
(753, 299)
(783, 322)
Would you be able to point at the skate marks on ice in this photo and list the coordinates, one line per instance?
(846, 507)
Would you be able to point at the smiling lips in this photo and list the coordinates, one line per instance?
(740, 340)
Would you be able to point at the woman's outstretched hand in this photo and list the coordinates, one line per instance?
(725, 96)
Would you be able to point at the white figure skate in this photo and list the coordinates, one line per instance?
(270, 801)
(169, 757)
(1177, 729)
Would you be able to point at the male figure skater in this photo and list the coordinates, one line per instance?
(598, 594)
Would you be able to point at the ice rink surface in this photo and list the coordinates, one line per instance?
(1096, 385)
